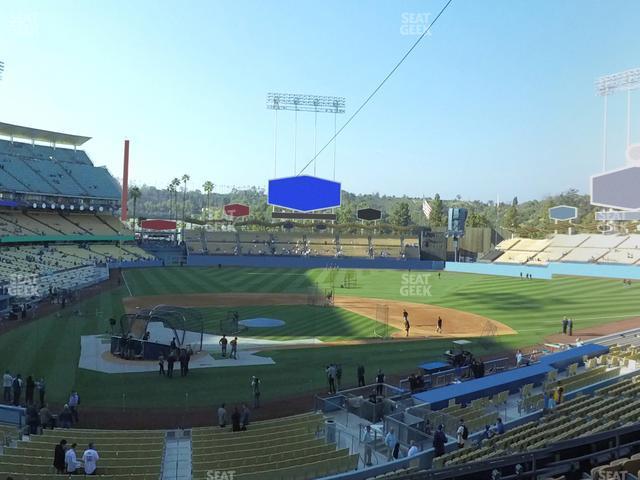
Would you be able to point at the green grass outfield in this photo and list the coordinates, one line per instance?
(51, 346)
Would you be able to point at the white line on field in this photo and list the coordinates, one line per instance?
(126, 284)
(273, 273)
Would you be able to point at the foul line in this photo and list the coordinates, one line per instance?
(273, 273)
(126, 284)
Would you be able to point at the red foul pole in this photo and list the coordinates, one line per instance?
(125, 182)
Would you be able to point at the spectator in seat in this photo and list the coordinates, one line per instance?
(498, 428)
(90, 459)
(46, 418)
(439, 441)
(58, 456)
(70, 459)
(74, 402)
(65, 417)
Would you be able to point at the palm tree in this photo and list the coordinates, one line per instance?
(176, 183)
(208, 188)
(170, 189)
(134, 194)
(185, 179)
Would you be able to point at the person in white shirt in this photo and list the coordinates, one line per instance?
(461, 434)
(7, 381)
(390, 441)
(74, 401)
(90, 459)
(413, 450)
(518, 358)
(70, 460)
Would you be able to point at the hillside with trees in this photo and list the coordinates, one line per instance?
(204, 204)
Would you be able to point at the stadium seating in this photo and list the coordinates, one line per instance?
(288, 243)
(608, 408)
(53, 171)
(273, 449)
(611, 249)
(125, 454)
(321, 245)
(51, 223)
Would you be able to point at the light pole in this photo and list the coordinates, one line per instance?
(608, 85)
(1, 68)
(304, 103)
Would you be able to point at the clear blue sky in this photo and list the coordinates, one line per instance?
(498, 100)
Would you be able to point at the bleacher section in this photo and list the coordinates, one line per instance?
(609, 407)
(18, 223)
(583, 248)
(387, 246)
(283, 448)
(288, 243)
(194, 240)
(221, 243)
(37, 169)
(124, 454)
(254, 243)
(297, 244)
(353, 246)
(321, 245)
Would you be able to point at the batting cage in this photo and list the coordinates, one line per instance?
(149, 333)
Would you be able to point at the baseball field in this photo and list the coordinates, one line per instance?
(523, 313)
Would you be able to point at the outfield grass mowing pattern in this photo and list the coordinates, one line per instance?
(324, 323)
(51, 346)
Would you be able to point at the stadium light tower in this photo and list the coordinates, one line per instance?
(608, 85)
(1, 68)
(305, 103)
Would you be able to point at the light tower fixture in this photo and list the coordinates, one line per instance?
(305, 103)
(606, 85)
(1, 68)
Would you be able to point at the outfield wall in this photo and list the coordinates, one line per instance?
(309, 262)
(547, 271)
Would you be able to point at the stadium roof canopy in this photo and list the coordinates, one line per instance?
(35, 134)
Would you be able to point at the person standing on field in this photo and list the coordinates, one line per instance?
(361, 382)
(255, 387)
(407, 325)
(222, 416)
(439, 325)
(223, 345)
